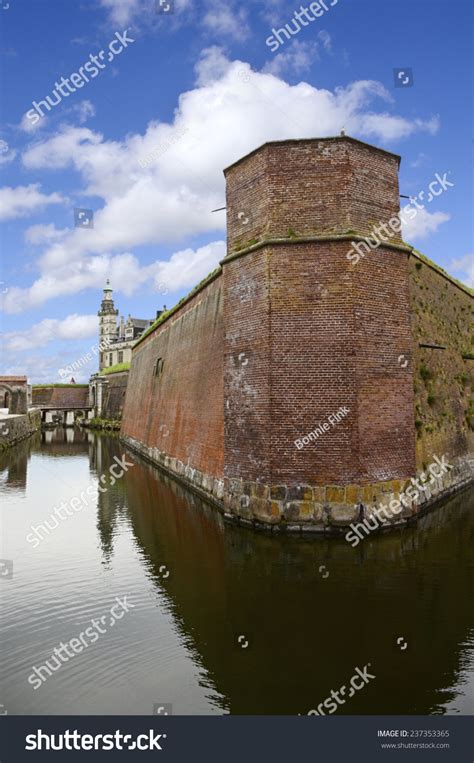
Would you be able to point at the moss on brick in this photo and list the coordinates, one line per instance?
(119, 367)
(54, 386)
(167, 313)
(444, 380)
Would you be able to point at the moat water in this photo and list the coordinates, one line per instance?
(216, 618)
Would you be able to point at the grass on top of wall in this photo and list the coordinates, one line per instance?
(166, 313)
(48, 386)
(115, 369)
(441, 270)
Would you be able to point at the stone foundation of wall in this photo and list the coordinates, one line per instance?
(327, 510)
(206, 485)
(15, 428)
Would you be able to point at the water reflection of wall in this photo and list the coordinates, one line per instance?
(14, 462)
(111, 502)
(311, 611)
(55, 442)
(65, 441)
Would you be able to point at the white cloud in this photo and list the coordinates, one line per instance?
(464, 266)
(40, 368)
(393, 127)
(229, 112)
(27, 125)
(24, 200)
(297, 58)
(84, 110)
(49, 330)
(187, 268)
(7, 154)
(423, 224)
(325, 38)
(182, 271)
(39, 234)
(81, 111)
(420, 160)
(212, 66)
(272, 11)
(224, 18)
(141, 12)
(121, 12)
(67, 140)
(73, 277)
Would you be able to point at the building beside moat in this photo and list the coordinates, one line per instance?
(117, 337)
(302, 329)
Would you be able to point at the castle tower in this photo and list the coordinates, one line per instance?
(107, 323)
(317, 339)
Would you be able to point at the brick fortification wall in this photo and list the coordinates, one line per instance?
(176, 416)
(442, 317)
(317, 333)
(114, 395)
(292, 337)
(61, 397)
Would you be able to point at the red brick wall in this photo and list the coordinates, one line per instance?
(181, 412)
(247, 215)
(317, 334)
(61, 397)
(247, 367)
(313, 368)
(307, 331)
(442, 314)
(114, 395)
(290, 333)
(310, 187)
(383, 366)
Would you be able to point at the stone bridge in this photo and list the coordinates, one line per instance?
(62, 403)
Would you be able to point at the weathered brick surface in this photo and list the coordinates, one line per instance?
(385, 416)
(247, 368)
(114, 395)
(309, 187)
(318, 335)
(290, 334)
(308, 332)
(61, 397)
(442, 314)
(181, 412)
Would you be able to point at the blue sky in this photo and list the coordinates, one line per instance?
(144, 140)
